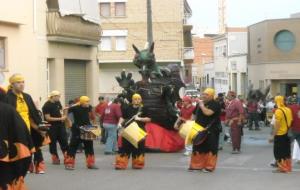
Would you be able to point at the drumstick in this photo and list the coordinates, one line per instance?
(139, 113)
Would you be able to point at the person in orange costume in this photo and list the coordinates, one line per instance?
(282, 143)
(16, 147)
(81, 113)
(25, 106)
(207, 114)
(135, 111)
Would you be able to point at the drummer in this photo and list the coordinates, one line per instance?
(137, 113)
(186, 113)
(81, 113)
(207, 114)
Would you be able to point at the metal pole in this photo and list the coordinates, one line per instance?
(149, 23)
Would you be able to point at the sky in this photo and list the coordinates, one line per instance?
(239, 13)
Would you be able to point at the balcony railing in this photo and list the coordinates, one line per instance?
(188, 53)
(186, 20)
(72, 29)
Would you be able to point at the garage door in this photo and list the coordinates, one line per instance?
(75, 79)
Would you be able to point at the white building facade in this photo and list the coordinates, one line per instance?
(230, 61)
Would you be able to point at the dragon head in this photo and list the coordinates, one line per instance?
(144, 60)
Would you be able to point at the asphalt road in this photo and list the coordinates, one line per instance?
(163, 171)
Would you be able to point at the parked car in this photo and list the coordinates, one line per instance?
(193, 93)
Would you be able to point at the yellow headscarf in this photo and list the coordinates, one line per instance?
(16, 78)
(84, 100)
(54, 93)
(136, 96)
(279, 101)
(210, 92)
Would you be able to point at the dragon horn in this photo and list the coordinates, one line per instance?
(152, 47)
(135, 49)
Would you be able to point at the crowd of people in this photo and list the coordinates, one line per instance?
(24, 129)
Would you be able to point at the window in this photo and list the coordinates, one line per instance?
(285, 40)
(120, 9)
(224, 53)
(2, 53)
(207, 79)
(233, 65)
(261, 84)
(105, 9)
(105, 44)
(121, 43)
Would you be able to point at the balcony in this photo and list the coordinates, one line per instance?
(72, 29)
(187, 25)
(188, 53)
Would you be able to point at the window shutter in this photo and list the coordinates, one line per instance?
(120, 9)
(105, 9)
(105, 44)
(120, 43)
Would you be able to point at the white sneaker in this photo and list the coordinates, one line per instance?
(187, 153)
(41, 172)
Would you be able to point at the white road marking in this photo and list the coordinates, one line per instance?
(222, 168)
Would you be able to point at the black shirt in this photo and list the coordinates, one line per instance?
(81, 115)
(54, 110)
(129, 111)
(205, 120)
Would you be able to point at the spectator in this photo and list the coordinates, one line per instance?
(110, 117)
(221, 101)
(252, 108)
(295, 126)
(234, 117)
(98, 110)
(262, 111)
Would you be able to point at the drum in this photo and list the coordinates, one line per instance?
(185, 130)
(196, 135)
(134, 134)
(192, 132)
(89, 132)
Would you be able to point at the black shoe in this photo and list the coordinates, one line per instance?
(194, 170)
(257, 129)
(109, 153)
(250, 129)
(207, 171)
(274, 165)
(93, 167)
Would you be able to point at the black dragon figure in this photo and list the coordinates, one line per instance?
(159, 87)
(258, 94)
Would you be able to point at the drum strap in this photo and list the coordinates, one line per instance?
(210, 124)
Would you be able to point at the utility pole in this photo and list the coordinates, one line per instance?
(149, 23)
